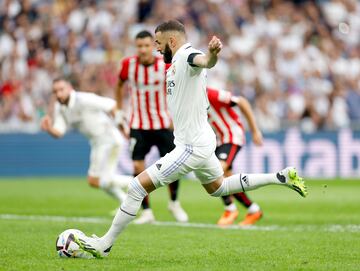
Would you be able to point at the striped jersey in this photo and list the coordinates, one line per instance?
(148, 93)
(223, 118)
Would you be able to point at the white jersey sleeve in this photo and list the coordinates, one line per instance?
(96, 102)
(190, 54)
(59, 120)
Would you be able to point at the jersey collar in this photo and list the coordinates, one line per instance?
(182, 48)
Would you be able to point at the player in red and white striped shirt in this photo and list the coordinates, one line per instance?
(150, 121)
(230, 135)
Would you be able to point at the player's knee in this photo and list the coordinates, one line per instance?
(135, 190)
(214, 188)
(218, 192)
(93, 181)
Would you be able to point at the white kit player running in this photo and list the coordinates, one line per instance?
(194, 139)
(89, 113)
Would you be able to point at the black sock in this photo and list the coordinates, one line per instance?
(145, 203)
(173, 188)
(227, 200)
(243, 199)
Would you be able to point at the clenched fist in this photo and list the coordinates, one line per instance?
(215, 45)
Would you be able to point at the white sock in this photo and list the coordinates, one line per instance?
(244, 182)
(107, 184)
(253, 208)
(231, 207)
(126, 213)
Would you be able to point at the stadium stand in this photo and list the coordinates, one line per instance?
(297, 61)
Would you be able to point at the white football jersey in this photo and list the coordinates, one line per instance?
(87, 112)
(187, 100)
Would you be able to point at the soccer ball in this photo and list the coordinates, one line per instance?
(67, 248)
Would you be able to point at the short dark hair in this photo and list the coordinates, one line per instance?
(143, 34)
(60, 78)
(171, 25)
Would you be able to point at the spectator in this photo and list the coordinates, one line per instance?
(297, 61)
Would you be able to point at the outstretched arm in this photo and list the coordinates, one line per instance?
(209, 60)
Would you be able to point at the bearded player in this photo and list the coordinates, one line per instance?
(150, 122)
(195, 140)
(92, 116)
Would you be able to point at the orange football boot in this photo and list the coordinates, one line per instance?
(228, 218)
(251, 219)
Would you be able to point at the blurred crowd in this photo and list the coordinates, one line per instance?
(298, 62)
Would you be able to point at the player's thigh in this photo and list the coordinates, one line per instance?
(111, 162)
(140, 144)
(164, 141)
(172, 166)
(100, 155)
(210, 170)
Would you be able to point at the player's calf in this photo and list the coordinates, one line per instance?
(245, 182)
(100, 247)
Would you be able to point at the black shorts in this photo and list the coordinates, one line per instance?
(141, 142)
(227, 153)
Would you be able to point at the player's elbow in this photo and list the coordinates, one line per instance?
(210, 65)
(211, 61)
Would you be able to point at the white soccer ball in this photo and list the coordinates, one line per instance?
(66, 247)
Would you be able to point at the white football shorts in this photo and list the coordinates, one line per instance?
(103, 159)
(181, 161)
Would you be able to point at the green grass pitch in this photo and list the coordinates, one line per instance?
(321, 232)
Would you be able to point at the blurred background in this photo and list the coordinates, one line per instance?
(298, 62)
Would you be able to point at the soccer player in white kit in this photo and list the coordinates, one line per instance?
(90, 114)
(144, 76)
(194, 139)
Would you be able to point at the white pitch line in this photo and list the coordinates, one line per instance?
(214, 226)
(99, 220)
(96, 220)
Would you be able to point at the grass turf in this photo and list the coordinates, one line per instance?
(304, 240)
